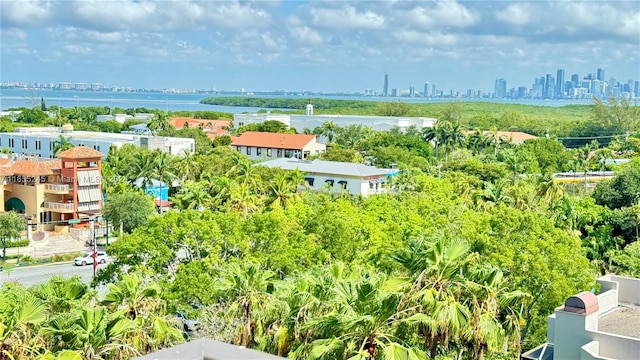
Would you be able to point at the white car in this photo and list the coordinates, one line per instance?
(87, 258)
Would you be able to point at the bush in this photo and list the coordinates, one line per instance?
(65, 257)
(19, 243)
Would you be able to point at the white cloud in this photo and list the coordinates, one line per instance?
(306, 35)
(428, 38)
(515, 14)
(78, 49)
(347, 17)
(24, 13)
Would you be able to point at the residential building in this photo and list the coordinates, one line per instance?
(593, 326)
(335, 176)
(301, 122)
(264, 145)
(54, 192)
(41, 141)
(500, 88)
(515, 137)
(213, 128)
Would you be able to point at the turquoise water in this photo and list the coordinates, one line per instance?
(10, 98)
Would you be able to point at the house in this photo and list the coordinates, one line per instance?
(356, 179)
(592, 326)
(516, 137)
(62, 191)
(156, 188)
(265, 145)
(213, 128)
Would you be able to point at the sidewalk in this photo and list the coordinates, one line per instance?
(53, 245)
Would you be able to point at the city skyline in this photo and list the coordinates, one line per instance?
(316, 46)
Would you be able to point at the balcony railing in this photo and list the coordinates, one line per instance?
(57, 188)
(58, 207)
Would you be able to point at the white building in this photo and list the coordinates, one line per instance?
(353, 178)
(264, 145)
(589, 326)
(40, 141)
(300, 122)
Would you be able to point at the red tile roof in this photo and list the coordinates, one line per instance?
(80, 152)
(514, 136)
(4, 161)
(179, 122)
(34, 168)
(5, 170)
(273, 140)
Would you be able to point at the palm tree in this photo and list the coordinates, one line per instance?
(247, 286)
(453, 137)
(495, 193)
(282, 190)
(163, 167)
(242, 199)
(360, 322)
(188, 166)
(246, 174)
(20, 311)
(61, 294)
(329, 130)
(132, 295)
(548, 189)
(159, 122)
(437, 134)
(193, 195)
(436, 269)
(61, 144)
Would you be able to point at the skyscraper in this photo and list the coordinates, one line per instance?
(427, 89)
(600, 74)
(559, 93)
(500, 88)
(385, 87)
(549, 86)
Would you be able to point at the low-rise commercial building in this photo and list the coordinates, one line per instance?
(265, 145)
(42, 141)
(590, 326)
(336, 176)
(300, 122)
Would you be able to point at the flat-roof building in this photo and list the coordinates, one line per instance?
(41, 141)
(300, 122)
(590, 326)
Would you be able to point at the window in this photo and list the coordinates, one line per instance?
(238, 148)
(330, 182)
(259, 151)
(306, 154)
(371, 185)
(51, 146)
(309, 180)
(24, 143)
(37, 144)
(248, 150)
(343, 184)
(169, 150)
(288, 153)
(11, 142)
(269, 153)
(317, 152)
(279, 154)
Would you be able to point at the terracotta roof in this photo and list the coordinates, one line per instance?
(34, 168)
(515, 136)
(178, 123)
(273, 140)
(5, 170)
(4, 161)
(80, 152)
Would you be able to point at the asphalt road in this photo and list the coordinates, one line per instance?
(37, 274)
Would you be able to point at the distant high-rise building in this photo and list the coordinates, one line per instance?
(636, 88)
(96, 87)
(412, 91)
(522, 91)
(427, 90)
(434, 90)
(549, 85)
(385, 87)
(575, 79)
(559, 92)
(600, 74)
(64, 86)
(81, 86)
(500, 88)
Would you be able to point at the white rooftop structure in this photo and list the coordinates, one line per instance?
(311, 121)
(40, 141)
(590, 326)
(336, 176)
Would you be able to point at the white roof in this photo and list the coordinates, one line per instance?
(325, 167)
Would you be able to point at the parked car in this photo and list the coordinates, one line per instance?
(87, 258)
(188, 325)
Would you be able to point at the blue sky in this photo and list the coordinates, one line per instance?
(315, 45)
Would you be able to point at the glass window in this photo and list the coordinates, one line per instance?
(259, 151)
(330, 182)
(248, 150)
(343, 184)
(309, 180)
(288, 153)
(279, 153)
(269, 154)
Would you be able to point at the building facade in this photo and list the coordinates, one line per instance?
(335, 176)
(54, 192)
(300, 122)
(264, 145)
(42, 141)
(590, 326)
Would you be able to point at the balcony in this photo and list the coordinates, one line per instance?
(58, 207)
(56, 188)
